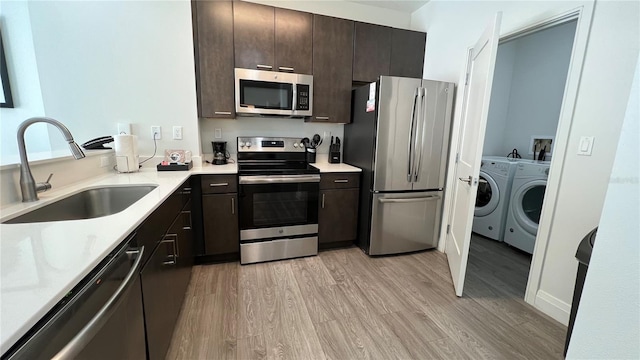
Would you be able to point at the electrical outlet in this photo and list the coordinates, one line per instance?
(217, 133)
(156, 132)
(124, 128)
(177, 133)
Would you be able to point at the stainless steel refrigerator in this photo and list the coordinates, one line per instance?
(399, 136)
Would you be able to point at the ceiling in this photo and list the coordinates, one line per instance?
(407, 6)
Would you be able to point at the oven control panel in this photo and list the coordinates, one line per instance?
(270, 144)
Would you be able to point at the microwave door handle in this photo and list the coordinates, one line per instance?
(294, 103)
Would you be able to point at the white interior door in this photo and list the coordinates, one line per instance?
(477, 93)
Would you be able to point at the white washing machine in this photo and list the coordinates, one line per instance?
(525, 204)
(492, 201)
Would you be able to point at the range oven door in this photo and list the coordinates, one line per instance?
(278, 206)
(278, 217)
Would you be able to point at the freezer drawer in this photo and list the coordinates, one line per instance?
(405, 222)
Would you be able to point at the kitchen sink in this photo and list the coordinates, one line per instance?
(87, 204)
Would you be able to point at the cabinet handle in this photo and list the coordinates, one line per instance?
(322, 118)
(190, 222)
(173, 256)
(186, 191)
(219, 184)
(222, 112)
(233, 206)
(285, 68)
(264, 67)
(323, 201)
(341, 181)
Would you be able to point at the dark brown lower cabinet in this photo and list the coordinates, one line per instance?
(166, 275)
(338, 217)
(220, 222)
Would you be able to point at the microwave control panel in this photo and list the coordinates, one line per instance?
(302, 101)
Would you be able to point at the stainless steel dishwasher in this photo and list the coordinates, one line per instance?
(101, 318)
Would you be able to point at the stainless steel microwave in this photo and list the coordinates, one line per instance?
(261, 92)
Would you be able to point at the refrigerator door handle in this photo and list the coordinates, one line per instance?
(410, 146)
(423, 121)
(409, 200)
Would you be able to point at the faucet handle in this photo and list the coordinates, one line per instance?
(44, 186)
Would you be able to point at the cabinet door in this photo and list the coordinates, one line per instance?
(294, 39)
(407, 53)
(159, 297)
(213, 38)
(338, 215)
(253, 35)
(371, 51)
(220, 220)
(332, 66)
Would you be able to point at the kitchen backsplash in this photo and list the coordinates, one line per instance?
(260, 126)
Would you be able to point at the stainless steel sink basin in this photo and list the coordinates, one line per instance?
(88, 204)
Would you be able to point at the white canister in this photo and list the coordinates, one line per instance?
(127, 159)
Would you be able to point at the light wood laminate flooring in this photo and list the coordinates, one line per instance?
(343, 304)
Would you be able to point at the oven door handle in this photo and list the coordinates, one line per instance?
(279, 179)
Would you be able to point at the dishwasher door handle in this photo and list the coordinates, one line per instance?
(84, 336)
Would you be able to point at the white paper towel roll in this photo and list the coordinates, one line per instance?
(126, 153)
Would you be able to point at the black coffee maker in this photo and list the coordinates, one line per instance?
(220, 154)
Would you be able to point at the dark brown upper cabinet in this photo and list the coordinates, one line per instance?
(213, 42)
(380, 50)
(371, 51)
(253, 35)
(407, 53)
(268, 38)
(294, 41)
(332, 69)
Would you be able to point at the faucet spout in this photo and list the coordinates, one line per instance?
(27, 183)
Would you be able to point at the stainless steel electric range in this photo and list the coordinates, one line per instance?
(278, 200)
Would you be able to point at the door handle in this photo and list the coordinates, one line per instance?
(468, 181)
(323, 201)
(409, 147)
(233, 206)
(409, 200)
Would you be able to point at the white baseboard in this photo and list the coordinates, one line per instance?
(552, 306)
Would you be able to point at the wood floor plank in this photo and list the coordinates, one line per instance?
(252, 348)
(343, 304)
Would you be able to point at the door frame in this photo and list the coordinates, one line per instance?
(583, 14)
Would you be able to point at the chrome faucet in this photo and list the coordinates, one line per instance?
(28, 186)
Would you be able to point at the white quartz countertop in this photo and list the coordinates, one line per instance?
(326, 167)
(41, 262)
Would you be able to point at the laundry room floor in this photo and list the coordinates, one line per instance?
(343, 304)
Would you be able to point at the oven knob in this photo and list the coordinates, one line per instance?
(241, 144)
(248, 144)
(301, 145)
(295, 145)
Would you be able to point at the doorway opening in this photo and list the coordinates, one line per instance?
(526, 100)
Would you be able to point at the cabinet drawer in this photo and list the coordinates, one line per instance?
(339, 180)
(219, 184)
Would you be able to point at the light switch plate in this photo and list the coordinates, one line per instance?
(217, 133)
(585, 147)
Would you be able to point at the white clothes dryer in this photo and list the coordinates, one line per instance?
(525, 205)
(492, 200)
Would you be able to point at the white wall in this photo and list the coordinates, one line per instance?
(255, 126)
(607, 325)
(24, 82)
(104, 62)
(534, 96)
(580, 184)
